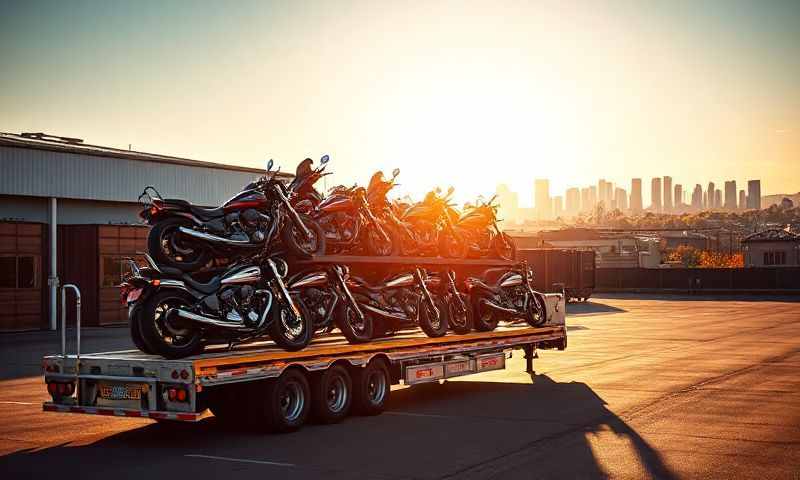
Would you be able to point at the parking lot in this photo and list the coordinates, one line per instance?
(649, 387)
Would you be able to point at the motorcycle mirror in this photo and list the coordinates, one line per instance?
(324, 159)
(270, 164)
(395, 173)
(438, 190)
(450, 190)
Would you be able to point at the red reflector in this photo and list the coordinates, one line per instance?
(61, 388)
(171, 394)
(181, 395)
(51, 388)
(155, 282)
(184, 374)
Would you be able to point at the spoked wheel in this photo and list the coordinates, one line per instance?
(379, 246)
(299, 244)
(354, 328)
(164, 331)
(460, 316)
(504, 247)
(451, 246)
(171, 248)
(371, 388)
(331, 394)
(536, 315)
(284, 403)
(433, 323)
(290, 331)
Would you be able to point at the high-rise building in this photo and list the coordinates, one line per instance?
(742, 200)
(558, 206)
(602, 194)
(655, 194)
(636, 195)
(710, 196)
(754, 194)
(621, 199)
(678, 198)
(730, 195)
(592, 198)
(697, 197)
(544, 208)
(509, 204)
(667, 194)
(718, 198)
(585, 202)
(573, 201)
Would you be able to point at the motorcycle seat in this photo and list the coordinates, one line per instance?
(207, 288)
(170, 272)
(362, 283)
(207, 213)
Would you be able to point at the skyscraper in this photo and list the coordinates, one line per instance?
(543, 203)
(636, 195)
(585, 201)
(592, 198)
(602, 193)
(621, 199)
(667, 194)
(697, 197)
(655, 194)
(718, 198)
(558, 206)
(573, 201)
(754, 194)
(509, 204)
(678, 198)
(730, 195)
(742, 200)
(710, 196)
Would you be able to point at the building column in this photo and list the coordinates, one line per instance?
(52, 280)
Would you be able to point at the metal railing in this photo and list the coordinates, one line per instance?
(77, 330)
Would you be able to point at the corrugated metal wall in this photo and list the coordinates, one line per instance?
(42, 173)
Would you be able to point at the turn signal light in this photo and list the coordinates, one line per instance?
(171, 394)
(181, 395)
(155, 282)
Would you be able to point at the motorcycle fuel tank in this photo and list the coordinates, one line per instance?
(403, 280)
(511, 280)
(246, 199)
(336, 203)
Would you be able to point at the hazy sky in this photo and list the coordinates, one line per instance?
(464, 93)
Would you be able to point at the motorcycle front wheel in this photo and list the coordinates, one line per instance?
(433, 325)
(536, 315)
(304, 247)
(169, 248)
(503, 247)
(379, 246)
(354, 329)
(288, 331)
(460, 318)
(451, 246)
(169, 335)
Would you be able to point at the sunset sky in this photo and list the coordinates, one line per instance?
(465, 93)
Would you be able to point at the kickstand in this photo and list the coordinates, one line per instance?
(530, 355)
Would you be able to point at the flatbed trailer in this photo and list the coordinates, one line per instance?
(260, 384)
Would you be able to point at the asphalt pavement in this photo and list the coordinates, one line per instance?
(649, 387)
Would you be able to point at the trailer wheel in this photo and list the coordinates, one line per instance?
(371, 388)
(284, 402)
(331, 394)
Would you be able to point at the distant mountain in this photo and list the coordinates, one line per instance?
(769, 200)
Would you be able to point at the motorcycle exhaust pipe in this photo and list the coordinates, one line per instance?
(383, 313)
(498, 308)
(213, 238)
(212, 322)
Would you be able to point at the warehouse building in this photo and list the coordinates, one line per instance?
(69, 214)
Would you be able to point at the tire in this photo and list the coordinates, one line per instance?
(504, 247)
(292, 238)
(163, 237)
(185, 338)
(331, 394)
(352, 329)
(134, 322)
(452, 247)
(283, 404)
(287, 332)
(371, 388)
(536, 316)
(428, 323)
(485, 318)
(460, 322)
(377, 246)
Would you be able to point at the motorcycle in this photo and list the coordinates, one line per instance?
(459, 310)
(349, 224)
(330, 303)
(510, 296)
(402, 301)
(429, 228)
(174, 315)
(187, 237)
(304, 197)
(479, 225)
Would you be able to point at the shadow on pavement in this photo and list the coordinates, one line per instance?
(453, 430)
(591, 308)
(697, 296)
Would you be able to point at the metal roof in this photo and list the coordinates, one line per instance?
(772, 235)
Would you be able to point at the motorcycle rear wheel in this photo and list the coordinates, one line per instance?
(168, 249)
(486, 319)
(169, 337)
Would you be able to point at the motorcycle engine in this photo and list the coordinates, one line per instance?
(338, 224)
(240, 304)
(255, 224)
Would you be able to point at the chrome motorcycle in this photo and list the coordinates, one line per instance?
(174, 315)
(510, 296)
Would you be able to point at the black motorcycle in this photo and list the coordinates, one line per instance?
(402, 301)
(330, 303)
(510, 296)
(187, 237)
(460, 315)
(173, 315)
(303, 195)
